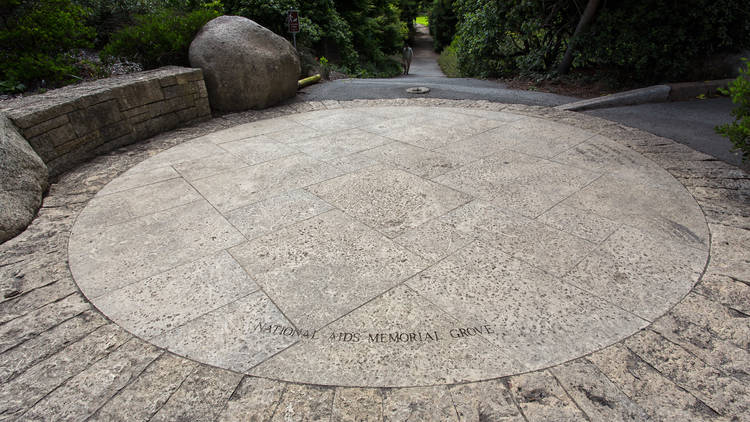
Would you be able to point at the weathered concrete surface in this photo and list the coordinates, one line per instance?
(690, 364)
(165, 259)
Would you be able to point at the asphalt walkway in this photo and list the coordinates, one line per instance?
(424, 64)
(689, 122)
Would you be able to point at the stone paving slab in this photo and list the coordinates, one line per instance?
(665, 339)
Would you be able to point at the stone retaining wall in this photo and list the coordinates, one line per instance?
(69, 125)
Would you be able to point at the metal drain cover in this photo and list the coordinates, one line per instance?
(418, 90)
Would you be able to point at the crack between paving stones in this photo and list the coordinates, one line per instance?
(453, 317)
(565, 390)
(31, 407)
(229, 397)
(149, 339)
(11, 263)
(128, 384)
(155, 412)
(673, 382)
(513, 398)
(54, 351)
(333, 400)
(381, 394)
(614, 384)
(717, 369)
(738, 280)
(22, 294)
(731, 309)
(105, 195)
(278, 403)
(225, 406)
(270, 357)
(261, 289)
(401, 283)
(56, 324)
(453, 402)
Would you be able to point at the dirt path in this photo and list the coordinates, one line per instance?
(424, 62)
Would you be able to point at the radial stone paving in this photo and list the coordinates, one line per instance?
(390, 246)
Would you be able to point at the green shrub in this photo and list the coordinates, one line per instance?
(38, 39)
(448, 61)
(739, 131)
(159, 39)
(442, 23)
(109, 16)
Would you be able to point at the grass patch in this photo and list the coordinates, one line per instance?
(448, 62)
(422, 20)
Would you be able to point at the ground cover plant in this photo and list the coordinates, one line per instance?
(739, 131)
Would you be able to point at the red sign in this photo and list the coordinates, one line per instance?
(293, 20)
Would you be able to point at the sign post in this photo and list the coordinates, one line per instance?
(292, 19)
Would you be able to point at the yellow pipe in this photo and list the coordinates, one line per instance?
(308, 81)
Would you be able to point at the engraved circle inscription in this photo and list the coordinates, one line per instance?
(389, 246)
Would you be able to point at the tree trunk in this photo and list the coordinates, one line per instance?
(583, 24)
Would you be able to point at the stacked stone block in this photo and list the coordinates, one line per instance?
(69, 125)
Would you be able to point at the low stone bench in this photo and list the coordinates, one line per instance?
(67, 126)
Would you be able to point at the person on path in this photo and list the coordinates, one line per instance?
(408, 53)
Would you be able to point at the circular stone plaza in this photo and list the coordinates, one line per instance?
(393, 260)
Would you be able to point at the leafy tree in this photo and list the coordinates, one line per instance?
(586, 18)
(443, 22)
(500, 38)
(376, 27)
(360, 33)
(409, 12)
(638, 40)
(320, 23)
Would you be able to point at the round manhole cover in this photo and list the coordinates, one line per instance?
(418, 90)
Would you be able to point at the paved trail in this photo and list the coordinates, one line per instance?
(424, 63)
